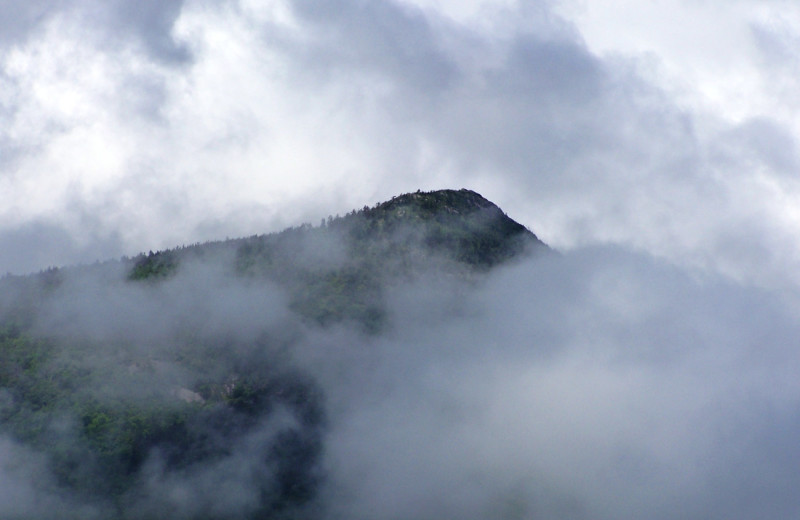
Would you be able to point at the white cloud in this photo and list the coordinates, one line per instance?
(664, 127)
(597, 384)
(710, 55)
(668, 127)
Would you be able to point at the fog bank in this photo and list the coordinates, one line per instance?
(598, 384)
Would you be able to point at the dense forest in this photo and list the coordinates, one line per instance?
(148, 387)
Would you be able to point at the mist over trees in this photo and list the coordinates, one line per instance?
(424, 358)
(165, 385)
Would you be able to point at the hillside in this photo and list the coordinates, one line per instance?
(338, 270)
(129, 380)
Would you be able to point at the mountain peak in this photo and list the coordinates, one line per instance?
(456, 202)
(461, 224)
(184, 365)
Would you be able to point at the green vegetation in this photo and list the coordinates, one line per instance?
(107, 403)
(338, 270)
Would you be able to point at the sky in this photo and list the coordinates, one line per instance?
(665, 127)
(649, 371)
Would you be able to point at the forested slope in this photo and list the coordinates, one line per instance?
(169, 375)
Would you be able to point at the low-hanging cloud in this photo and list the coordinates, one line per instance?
(598, 383)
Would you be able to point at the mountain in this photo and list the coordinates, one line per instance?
(141, 388)
(339, 270)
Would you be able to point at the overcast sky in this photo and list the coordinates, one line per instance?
(668, 127)
(654, 142)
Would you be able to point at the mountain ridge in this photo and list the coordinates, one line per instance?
(463, 212)
(177, 366)
(353, 257)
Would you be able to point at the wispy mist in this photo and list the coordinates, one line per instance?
(600, 384)
(594, 384)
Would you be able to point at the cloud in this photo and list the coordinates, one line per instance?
(24, 18)
(130, 356)
(600, 384)
(597, 383)
(149, 23)
(383, 38)
(237, 118)
(28, 489)
(36, 244)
